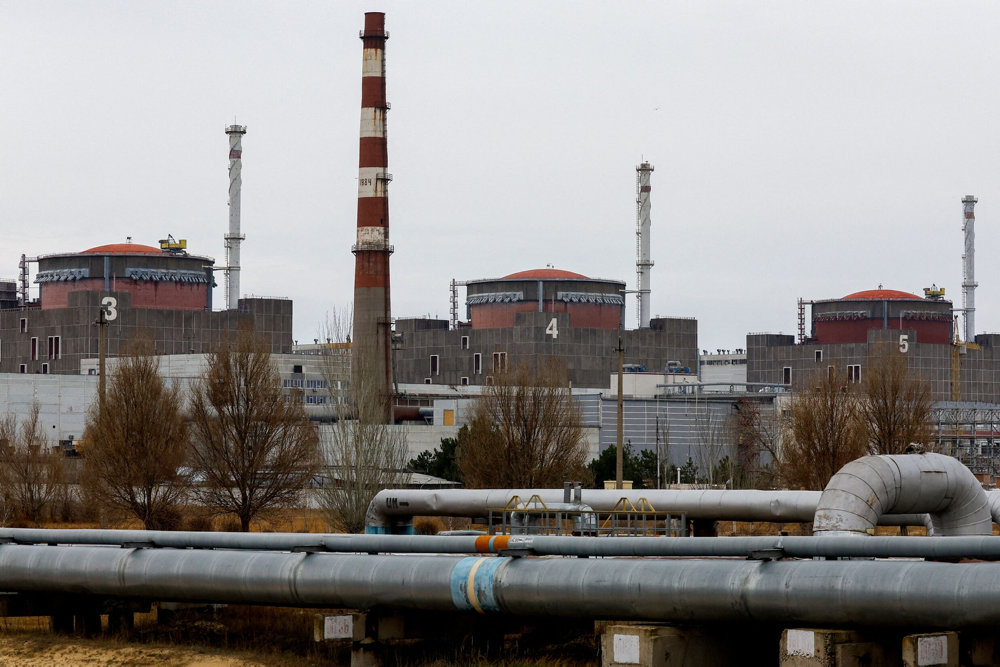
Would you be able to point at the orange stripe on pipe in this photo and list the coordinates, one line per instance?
(499, 542)
(483, 544)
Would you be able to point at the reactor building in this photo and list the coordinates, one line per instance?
(529, 315)
(165, 292)
(961, 365)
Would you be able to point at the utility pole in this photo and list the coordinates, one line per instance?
(108, 312)
(102, 353)
(619, 455)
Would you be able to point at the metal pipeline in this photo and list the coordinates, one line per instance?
(993, 498)
(868, 488)
(794, 593)
(978, 547)
(392, 510)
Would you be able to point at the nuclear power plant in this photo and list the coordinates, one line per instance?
(645, 569)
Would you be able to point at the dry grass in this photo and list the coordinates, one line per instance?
(251, 635)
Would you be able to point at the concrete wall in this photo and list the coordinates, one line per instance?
(589, 353)
(173, 331)
(768, 354)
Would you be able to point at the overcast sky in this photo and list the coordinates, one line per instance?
(800, 149)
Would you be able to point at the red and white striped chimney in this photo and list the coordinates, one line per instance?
(371, 347)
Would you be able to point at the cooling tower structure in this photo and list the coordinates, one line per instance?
(234, 237)
(643, 263)
(969, 283)
(371, 351)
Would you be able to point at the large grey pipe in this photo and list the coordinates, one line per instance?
(868, 488)
(392, 510)
(979, 547)
(794, 593)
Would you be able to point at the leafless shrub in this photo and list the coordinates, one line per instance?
(525, 431)
(253, 449)
(896, 407)
(822, 431)
(362, 454)
(137, 442)
(31, 473)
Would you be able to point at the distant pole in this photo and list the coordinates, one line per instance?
(643, 263)
(619, 456)
(102, 352)
(234, 237)
(969, 283)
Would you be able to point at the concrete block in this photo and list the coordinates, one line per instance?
(979, 650)
(391, 627)
(936, 648)
(812, 647)
(863, 654)
(341, 627)
(661, 646)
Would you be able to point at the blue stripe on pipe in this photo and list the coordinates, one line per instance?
(472, 584)
(376, 530)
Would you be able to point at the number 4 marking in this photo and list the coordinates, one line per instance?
(553, 329)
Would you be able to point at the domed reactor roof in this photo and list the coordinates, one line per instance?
(879, 294)
(851, 318)
(123, 249)
(153, 277)
(554, 274)
(590, 302)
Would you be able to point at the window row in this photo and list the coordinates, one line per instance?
(499, 363)
(54, 348)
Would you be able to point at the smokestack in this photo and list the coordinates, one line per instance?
(234, 237)
(643, 263)
(969, 283)
(371, 349)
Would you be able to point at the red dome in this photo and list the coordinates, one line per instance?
(123, 249)
(879, 294)
(545, 273)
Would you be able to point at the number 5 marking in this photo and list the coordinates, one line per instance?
(904, 343)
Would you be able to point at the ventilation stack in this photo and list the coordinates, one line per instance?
(371, 350)
(969, 267)
(234, 237)
(643, 263)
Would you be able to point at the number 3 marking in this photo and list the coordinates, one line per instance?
(110, 304)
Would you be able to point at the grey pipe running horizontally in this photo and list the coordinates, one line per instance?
(765, 547)
(866, 489)
(807, 592)
(392, 510)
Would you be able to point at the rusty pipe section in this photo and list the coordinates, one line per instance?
(903, 593)
(392, 510)
(978, 547)
(868, 488)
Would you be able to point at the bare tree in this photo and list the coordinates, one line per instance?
(361, 454)
(253, 446)
(137, 442)
(822, 431)
(715, 444)
(31, 472)
(525, 431)
(756, 434)
(896, 405)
